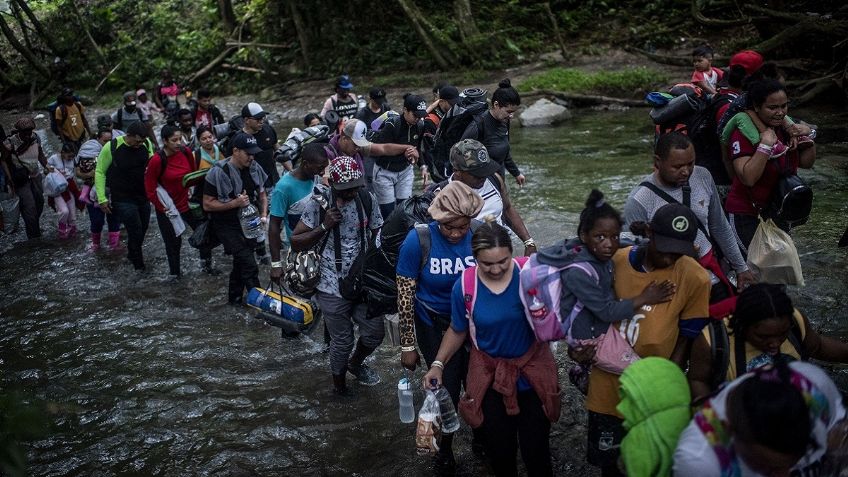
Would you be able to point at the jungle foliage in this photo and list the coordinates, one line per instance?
(115, 44)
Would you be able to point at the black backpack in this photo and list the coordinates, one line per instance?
(450, 131)
(791, 201)
(720, 350)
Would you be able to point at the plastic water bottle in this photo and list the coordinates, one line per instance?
(251, 225)
(406, 407)
(450, 421)
(537, 308)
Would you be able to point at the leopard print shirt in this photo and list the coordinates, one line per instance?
(406, 310)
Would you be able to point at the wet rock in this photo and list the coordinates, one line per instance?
(544, 113)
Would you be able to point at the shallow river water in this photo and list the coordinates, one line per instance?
(149, 377)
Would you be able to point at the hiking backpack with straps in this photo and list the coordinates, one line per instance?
(720, 350)
(542, 283)
(450, 131)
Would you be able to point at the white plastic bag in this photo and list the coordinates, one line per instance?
(428, 432)
(54, 184)
(772, 256)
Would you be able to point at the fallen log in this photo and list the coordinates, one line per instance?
(248, 69)
(239, 44)
(203, 72)
(107, 76)
(587, 99)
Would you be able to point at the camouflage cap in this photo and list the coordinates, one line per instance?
(472, 157)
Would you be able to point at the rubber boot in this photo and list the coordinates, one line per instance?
(63, 231)
(208, 268)
(340, 385)
(95, 241)
(114, 241)
(72, 230)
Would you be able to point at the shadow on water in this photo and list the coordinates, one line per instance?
(153, 377)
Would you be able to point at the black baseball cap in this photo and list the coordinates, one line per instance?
(246, 142)
(416, 104)
(675, 228)
(449, 93)
(377, 93)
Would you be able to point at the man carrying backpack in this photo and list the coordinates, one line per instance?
(676, 179)
(393, 175)
(344, 232)
(203, 111)
(120, 167)
(472, 165)
(343, 102)
(130, 114)
(71, 124)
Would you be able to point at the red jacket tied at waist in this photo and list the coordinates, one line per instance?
(537, 365)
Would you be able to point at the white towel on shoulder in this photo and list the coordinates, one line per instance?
(171, 210)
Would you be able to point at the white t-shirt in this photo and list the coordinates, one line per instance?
(492, 200)
(695, 456)
(65, 167)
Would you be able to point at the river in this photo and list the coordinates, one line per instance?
(145, 376)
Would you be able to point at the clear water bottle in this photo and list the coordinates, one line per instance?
(537, 308)
(450, 421)
(251, 225)
(406, 407)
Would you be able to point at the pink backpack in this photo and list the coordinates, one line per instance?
(469, 292)
(542, 282)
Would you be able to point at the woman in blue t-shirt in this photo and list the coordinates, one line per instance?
(431, 259)
(511, 389)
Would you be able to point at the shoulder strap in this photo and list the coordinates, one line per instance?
(739, 355)
(113, 146)
(120, 121)
(469, 294)
(796, 339)
(719, 351)
(163, 163)
(424, 240)
(496, 182)
(671, 200)
(366, 202)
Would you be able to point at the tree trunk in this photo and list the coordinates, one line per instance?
(23, 50)
(547, 8)
(228, 16)
(414, 16)
(85, 29)
(302, 36)
(16, 12)
(42, 33)
(464, 19)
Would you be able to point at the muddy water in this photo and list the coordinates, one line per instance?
(152, 377)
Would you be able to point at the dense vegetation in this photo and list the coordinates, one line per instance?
(48, 43)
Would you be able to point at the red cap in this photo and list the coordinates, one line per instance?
(748, 59)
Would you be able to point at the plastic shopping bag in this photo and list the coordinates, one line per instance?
(772, 256)
(428, 433)
(54, 184)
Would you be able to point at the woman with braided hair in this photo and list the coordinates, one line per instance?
(764, 325)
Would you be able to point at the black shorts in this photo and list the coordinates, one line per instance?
(605, 434)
